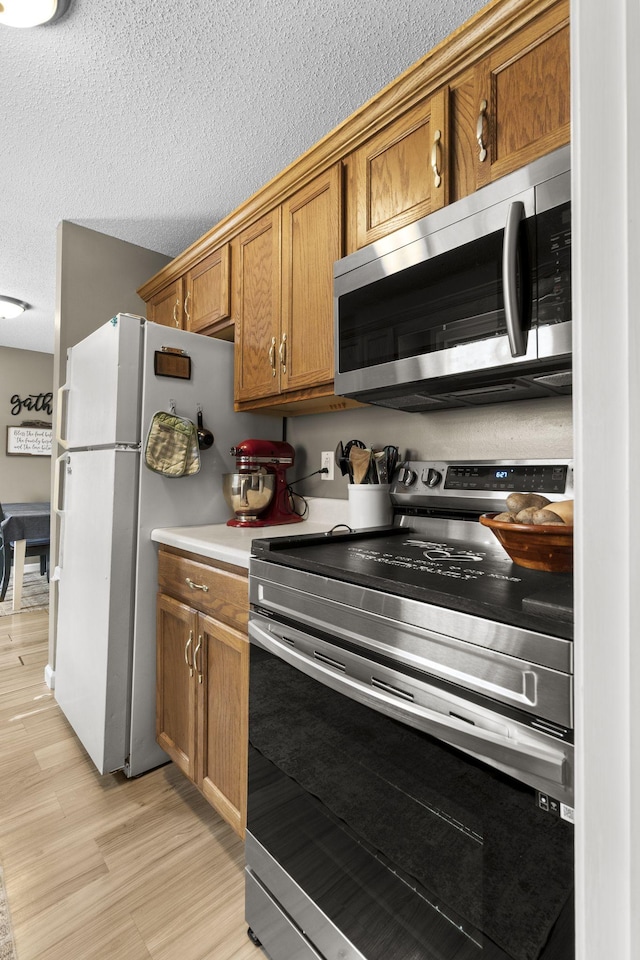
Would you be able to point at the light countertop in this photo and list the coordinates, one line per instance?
(217, 541)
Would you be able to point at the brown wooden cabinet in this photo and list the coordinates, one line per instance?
(222, 723)
(513, 106)
(401, 173)
(490, 98)
(527, 86)
(283, 296)
(256, 293)
(165, 307)
(507, 108)
(176, 690)
(200, 300)
(202, 677)
(207, 302)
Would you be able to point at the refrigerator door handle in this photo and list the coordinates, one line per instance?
(57, 486)
(61, 422)
(59, 511)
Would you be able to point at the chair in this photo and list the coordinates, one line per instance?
(34, 548)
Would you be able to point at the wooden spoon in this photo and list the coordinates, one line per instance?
(360, 460)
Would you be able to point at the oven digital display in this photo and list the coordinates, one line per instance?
(540, 478)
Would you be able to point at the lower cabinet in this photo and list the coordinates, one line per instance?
(202, 679)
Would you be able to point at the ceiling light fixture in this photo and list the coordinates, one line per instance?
(10, 308)
(31, 13)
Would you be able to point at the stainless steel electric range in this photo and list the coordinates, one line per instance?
(411, 733)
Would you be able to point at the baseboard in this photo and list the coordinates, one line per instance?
(50, 677)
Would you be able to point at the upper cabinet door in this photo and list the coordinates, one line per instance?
(256, 257)
(311, 243)
(401, 173)
(165, 307)
(208, 301)
(468, 164)
(524, 101)
(511, 107)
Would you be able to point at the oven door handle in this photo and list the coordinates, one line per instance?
(526, 758)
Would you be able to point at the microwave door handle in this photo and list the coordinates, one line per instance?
(515, 332)
(529, 758)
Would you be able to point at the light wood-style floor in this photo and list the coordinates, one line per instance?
(101, 867)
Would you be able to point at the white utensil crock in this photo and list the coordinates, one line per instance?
(369, 505)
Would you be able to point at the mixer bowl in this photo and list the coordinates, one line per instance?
(248, 494)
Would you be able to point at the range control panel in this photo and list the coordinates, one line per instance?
(478, 486)
(527, 478)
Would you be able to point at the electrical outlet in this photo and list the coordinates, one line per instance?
(327, 462)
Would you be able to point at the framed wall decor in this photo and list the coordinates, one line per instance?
(28, 441)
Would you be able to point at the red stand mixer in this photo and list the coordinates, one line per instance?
(257, 492)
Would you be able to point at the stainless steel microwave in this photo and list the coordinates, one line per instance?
(470, 305)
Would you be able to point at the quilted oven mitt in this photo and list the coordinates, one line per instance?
(172, 446)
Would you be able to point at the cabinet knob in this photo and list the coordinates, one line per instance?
(186, 306)
(176, 318)
(283, 353)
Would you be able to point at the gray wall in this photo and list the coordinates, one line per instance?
(517, 429)
(97, 277)
(23, 372)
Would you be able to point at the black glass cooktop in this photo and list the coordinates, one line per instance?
(462, 574)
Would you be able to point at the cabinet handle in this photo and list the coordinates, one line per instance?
(186, 306)
(195, 658)
(283, 352)
(272, 356)
(482, 116)
(176, 319)
(196, 586)
(188, 662)
(437, 143)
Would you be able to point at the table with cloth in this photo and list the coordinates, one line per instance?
(22, 522)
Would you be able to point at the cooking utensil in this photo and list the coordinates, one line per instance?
(360, 461)
(205, 437)
(380, 463)
(350, 444)
(341, 461)
(346, 466)
(391, 454)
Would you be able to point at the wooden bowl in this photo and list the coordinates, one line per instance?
(536, 546)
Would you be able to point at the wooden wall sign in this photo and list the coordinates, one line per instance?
(26, 441)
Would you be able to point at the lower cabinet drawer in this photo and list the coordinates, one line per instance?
(220, 593)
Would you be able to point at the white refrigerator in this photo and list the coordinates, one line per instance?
(109, 501)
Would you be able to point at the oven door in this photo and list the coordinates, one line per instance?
(368, 838)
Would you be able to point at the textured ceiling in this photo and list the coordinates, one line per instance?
(150, 120)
